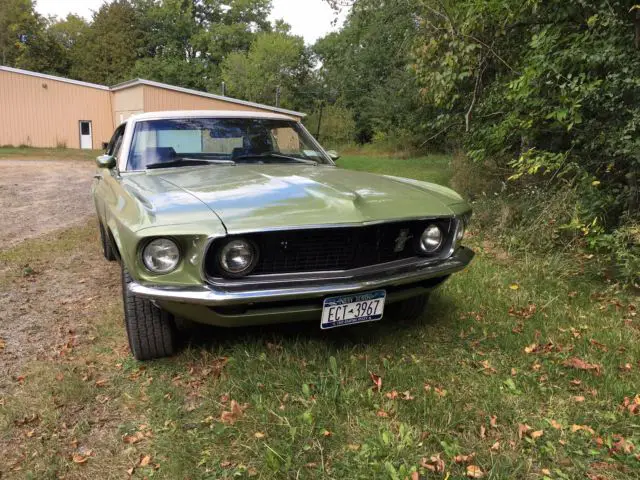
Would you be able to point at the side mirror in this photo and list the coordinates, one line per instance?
(335, 156)
(106, 161)
(105, 145)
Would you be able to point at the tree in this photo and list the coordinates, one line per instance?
(18, 24)
(274, 60)
(108, 50)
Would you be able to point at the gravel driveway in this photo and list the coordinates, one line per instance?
(38, 196)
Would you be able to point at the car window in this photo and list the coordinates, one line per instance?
(115, 144)
(240, 140)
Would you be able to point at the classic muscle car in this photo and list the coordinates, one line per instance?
(241, 218)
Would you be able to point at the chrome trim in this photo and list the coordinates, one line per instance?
(205, 295)
(297, 277)
(366, 223)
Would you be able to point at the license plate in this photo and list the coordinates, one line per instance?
(349, 309)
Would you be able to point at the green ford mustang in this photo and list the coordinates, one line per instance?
(241, 218)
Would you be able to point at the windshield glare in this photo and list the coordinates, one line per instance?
(246, 140)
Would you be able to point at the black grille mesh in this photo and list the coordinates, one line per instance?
(331, 249)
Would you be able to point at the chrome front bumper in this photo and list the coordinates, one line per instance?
(217, 296)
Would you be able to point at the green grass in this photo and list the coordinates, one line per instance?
(434, 168)
(494, 342)
(31, 153)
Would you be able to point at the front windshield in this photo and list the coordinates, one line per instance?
(193, 141)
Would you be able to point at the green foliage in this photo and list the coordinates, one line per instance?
(274, 59)
(548, 91)
(333, 125)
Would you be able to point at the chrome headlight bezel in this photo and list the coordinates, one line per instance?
(237, 244)
(152, 250)
(430, 244)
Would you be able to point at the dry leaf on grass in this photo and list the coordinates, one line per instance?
(145, 460)
(464, 458)
(260, 435)
(493, 421)
(495, 447)
(235, 414)
(377, 381)
(585, 428)
(537, 434)
(433, 464)
(556, 425)
(135, 438)
(474, 471)
(523, 429)
(392, 395)
(631, 406)
(382, 413)
(579, 364)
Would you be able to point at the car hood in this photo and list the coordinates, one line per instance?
(248, 198)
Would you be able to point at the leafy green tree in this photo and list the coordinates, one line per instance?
(109, 49)
(274, 60)
(18, 25)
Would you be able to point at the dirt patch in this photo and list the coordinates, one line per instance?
(48, 303)
(40, 196)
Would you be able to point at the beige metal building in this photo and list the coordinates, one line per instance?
(41, 110)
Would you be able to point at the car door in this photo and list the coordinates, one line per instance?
(106, 181)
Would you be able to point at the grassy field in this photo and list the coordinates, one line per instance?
(520, 369)
(30, 153)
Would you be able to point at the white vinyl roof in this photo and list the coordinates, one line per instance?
(141, 81)
(205, 114)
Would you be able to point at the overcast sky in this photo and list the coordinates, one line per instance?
(308, 18)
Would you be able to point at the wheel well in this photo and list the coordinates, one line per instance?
(114, 245)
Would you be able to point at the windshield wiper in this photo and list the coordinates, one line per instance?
(276, 155)
(189, 162)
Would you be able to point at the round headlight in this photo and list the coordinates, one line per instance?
(161, 255)
(238, 257)
(461, 230)
(431, 239)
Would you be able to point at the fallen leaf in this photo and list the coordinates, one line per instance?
(135, 438)
(537, 434)
(80, 459)
(415, 476)
(487, 368)
(311, 465)
(522, 430)
(575, 382)
(598, 345)
(623, 446)
(145, 460)
(632, 406)
(514, 372)
(473, 471)
(131, 470)
(585, 428)
(464, 458)
(354, 447)
(377, 381)
(382, 413)
(392, 395)
(226, 464)
(440, 391)
(493, 421)
(545, 471)
(101, 383)
(514, 286)
(495, 447)
(235, 414)
(627, 367)
(579, 364)
(556, 425)
(483, 431)
(260, 435)
(407, 396)
(433, 464)
(327, 433)
(578, 398)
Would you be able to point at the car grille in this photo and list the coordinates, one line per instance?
(333, 249)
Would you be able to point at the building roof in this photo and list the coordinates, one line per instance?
(206, 114)
(166, 86)
(52, 77)
(142, 81)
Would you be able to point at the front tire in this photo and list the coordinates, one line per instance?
(151, 330)
(410, 309)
